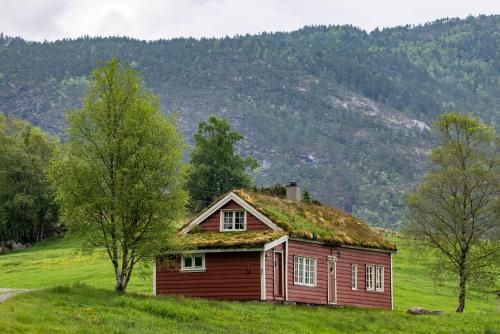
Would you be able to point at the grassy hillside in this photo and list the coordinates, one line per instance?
(79, 299)
(342, 111)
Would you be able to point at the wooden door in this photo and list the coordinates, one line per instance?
(278, 274)
(332, 280)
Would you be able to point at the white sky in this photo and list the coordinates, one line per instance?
(154, 19)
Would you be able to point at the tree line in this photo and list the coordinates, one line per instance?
(28, 212)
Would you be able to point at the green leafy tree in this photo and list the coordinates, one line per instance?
(216, 167)
(454, 210)
(27, 209)
(119, 177)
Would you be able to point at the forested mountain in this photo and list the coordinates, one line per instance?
(342, 111)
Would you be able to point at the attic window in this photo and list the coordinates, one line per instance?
(233, 220)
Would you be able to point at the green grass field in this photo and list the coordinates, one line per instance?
(80, 299)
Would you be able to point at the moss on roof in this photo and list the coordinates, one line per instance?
(217, 240)
(316, 222)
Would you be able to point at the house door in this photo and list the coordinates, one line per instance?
(332, 280)
(278, 274)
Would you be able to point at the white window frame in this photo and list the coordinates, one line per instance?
(299, 270)
(222, 229)
(354, 277)
(193, 268)
(379, 278)
(370, 277)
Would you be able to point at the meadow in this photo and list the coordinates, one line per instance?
(76, 296)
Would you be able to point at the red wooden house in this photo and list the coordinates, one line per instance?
(250, 246)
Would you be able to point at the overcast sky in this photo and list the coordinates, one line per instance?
(154, 19)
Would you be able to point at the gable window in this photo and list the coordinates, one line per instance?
(193, 262)
(233, 220)
(370, 277)
(304, 271)
(379, 278)
(354, 276)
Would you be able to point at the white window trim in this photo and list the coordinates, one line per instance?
(354, 270)
(381, 289)
(372, 287)
(221, 220)
(295, 282)
(193, 269)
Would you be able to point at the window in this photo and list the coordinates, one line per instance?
(304, 271)
(374, 278)
(354, 276)
(370, 277)
(379, 278)
(194, 262)
(233, 220)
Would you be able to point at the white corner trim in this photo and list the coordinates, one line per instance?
(154, 278)
(223, 201)
(286, 269)
(263, 275)
(392, 290)
(276, 242)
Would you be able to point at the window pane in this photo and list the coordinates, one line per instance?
(188, 262)
(295, 270)
(379, 278)
(239, 220)
(299, 277)
(313, 271)
(228, 220)
(370, 277)
(354, 276)
(307, 271)
(198, 261)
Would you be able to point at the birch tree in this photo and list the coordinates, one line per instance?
(119, 176)
(455, 209)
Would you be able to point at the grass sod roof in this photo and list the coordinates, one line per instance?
(216, 240)
(316, 222)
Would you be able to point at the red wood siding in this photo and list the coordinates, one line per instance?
(305, 294)
(361, 297)
(345, 295)
(270, 270)
(233, 275)
(212, 223)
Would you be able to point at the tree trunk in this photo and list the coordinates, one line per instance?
(121, 281)
(461, 295)
(122, 275)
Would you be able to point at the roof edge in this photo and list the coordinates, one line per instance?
(223, 201)
(339, 244)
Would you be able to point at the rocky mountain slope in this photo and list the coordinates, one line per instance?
(344, 112)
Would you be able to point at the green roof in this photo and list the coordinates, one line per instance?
(217, 240)
(316, 222)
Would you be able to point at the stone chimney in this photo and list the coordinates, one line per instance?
(293, 192)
